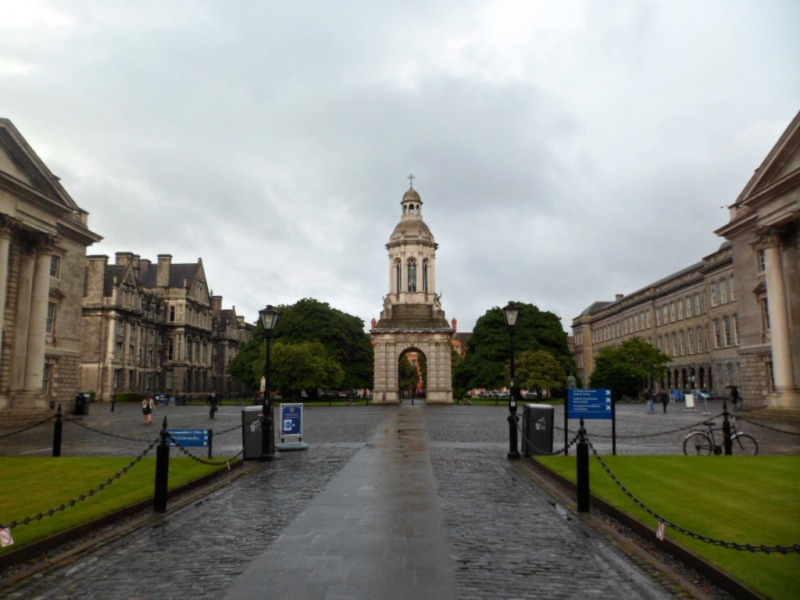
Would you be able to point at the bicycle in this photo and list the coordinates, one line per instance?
(704, 442)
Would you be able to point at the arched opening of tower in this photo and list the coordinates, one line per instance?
(412, 371)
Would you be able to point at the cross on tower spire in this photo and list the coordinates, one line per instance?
(411, 179)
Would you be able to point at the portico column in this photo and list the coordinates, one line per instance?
(37, 329)
(22, 318)
(5, 244)
(778, 318)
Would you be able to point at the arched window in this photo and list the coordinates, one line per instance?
(425, 275)
(412, 275)
(398, 279)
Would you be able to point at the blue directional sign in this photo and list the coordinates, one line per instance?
(291, 419)
(188, 438)
(590, 404)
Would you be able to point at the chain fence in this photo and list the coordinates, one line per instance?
(101, 432)
(775, 429)
(226, 461)
(663, 521)
(29, 427)
(64, 506)
(542, 452)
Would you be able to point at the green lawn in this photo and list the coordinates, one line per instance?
(750, 500)
(34, 484)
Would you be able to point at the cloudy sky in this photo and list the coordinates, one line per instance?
(564, 151)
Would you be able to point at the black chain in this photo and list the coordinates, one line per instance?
(703, 538)
(101, 432)
(82, 497)
(208, 462)
(5, 435)
(224, 431)
(768, 427)
(541, 452)
(659, 433)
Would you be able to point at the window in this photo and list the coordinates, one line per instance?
(680, 310)
(55, 266)
(723, 291)
(690, 340)
(727, 331)
(170, 349)
(48, 378)
(425, 275)
(717, 334)
(688, 307)
(682, 339)
(648, 319)
(699, 339)
(735, 322)
(398, 278)
(171, 313)
(412, 275)
(697, 305)
(733, 289)
(761, 263)
(672, 311)
(765, 314)
(665, 315)
(714, 294)
(51, 317)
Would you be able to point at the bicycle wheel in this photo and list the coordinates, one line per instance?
(698, 443)
(743, 443)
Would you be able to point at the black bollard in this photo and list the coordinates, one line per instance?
(57, 433)
(726, 430)
(162, 472)
(583, 470)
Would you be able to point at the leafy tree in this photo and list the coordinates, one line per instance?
(539, 370)
(408, 374)
(342, 336)
(301, 366)
(629, 367)
(486, 361)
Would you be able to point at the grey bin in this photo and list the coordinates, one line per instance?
(251, 432)
(537, 429)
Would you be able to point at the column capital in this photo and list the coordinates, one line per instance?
(768, 237)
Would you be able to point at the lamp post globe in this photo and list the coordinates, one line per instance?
(511, 313)
(268, 317)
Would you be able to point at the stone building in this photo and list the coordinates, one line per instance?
(412, 319)
(230, 334)
(43, 241)
(734, 317)
(151, 328)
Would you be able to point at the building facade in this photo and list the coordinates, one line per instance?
(43, 241)
(732, 319)
(151, 328)
(230, 333)
(412, 319)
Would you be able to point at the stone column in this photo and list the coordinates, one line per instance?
(778, 318)
(37, 328)
(5, 244)
(22, 318)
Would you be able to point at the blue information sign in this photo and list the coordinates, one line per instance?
(291, 419)
(590, 404)
(188, 438)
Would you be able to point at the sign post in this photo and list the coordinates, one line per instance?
(594, 404)
(292, 427)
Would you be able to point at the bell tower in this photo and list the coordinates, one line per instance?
(412, 319)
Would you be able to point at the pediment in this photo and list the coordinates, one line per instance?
(781, 166)
(24, 173)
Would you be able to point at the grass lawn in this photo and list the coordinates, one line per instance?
(36, 484)
(744, 499)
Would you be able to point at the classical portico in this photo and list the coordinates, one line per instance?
(412, 319)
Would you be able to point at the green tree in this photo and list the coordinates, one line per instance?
(408, 374)
(486, 361)
(309, 320)
(301, 366)
(539, 370)
(628, 368)
(342, 335)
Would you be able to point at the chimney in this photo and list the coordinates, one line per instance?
(619, 297)
(123, 259)
(164, 266)
(454, 324)
(95, 276)
(216, 304)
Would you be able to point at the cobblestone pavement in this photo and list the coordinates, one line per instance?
(507, 538)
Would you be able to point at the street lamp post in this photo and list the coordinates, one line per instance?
(269, 317)
(511, 312)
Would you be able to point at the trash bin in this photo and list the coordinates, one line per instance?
(537, 429)
(81, 404)
(251, 432)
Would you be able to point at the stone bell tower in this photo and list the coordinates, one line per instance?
(412, 319)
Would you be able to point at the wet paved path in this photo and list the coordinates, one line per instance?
(488, 531)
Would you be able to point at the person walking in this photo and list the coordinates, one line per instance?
(147, 410)
(735, 397)
(213, 403)
(664, 397)
(650, 396)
